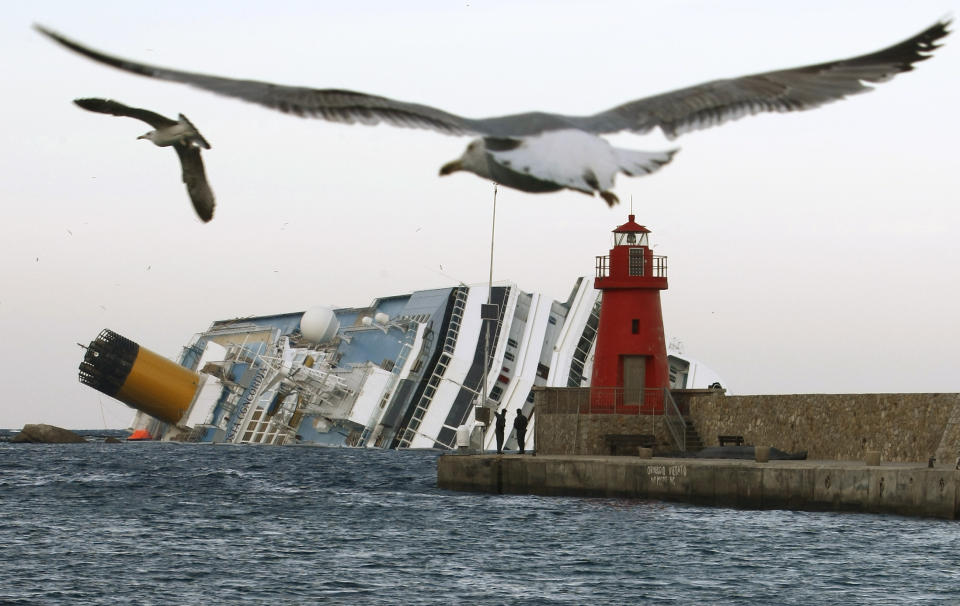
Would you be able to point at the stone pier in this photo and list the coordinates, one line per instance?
(909, 489)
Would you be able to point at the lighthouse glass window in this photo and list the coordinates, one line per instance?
(630, 238)
(636, 262)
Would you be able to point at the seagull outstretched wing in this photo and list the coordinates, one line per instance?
(195, 178)
(568, 152)
(115, 108)
(675, 112)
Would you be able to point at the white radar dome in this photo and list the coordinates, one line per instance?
(319, 324)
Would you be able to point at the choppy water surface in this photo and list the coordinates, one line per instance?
(188, 524)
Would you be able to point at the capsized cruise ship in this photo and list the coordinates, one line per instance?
(404, 372)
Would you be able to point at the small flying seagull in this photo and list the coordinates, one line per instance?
(179, 134)
(544, 152)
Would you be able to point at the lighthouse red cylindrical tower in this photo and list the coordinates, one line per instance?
(630, 370)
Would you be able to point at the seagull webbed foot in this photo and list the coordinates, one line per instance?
(610, 198)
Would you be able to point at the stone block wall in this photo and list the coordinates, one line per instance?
(903, 427)
(576, 434)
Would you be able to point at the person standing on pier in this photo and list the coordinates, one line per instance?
(499, 428)
(520, 425)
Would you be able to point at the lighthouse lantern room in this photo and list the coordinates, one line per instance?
(630, 369)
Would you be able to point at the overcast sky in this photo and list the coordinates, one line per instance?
(808, 252)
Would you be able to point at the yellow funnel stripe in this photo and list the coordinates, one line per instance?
(159, 387)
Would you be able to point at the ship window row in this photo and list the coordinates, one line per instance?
(509, 356)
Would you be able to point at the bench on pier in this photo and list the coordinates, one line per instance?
(621, 444)
(733, 440)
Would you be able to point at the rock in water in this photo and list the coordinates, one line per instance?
(46, 434)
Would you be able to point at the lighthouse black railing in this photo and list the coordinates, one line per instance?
(620, 401)
(603, 266)
(610, 400)
(658, 270)
(659, 266)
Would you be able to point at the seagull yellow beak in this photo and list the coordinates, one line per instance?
(451, 167)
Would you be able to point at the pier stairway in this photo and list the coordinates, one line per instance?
(692, 439)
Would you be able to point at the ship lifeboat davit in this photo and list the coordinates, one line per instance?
(138, 435)
(139, 378)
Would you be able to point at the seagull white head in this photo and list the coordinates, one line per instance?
(473, 160)
(150, 136)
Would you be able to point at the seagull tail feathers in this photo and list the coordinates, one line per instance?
(639, 163)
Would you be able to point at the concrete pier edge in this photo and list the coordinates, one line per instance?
(908, 489)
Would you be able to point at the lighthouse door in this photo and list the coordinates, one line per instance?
(634, 379)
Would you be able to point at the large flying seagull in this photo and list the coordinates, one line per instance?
(543, 152)
(180, 134)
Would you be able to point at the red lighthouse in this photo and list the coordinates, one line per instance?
(630, 354)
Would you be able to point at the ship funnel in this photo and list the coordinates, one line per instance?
(138, 377)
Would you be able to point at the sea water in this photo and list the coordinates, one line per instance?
(164, 523)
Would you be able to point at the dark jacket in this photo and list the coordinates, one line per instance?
(501, 420)
(520, 423)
